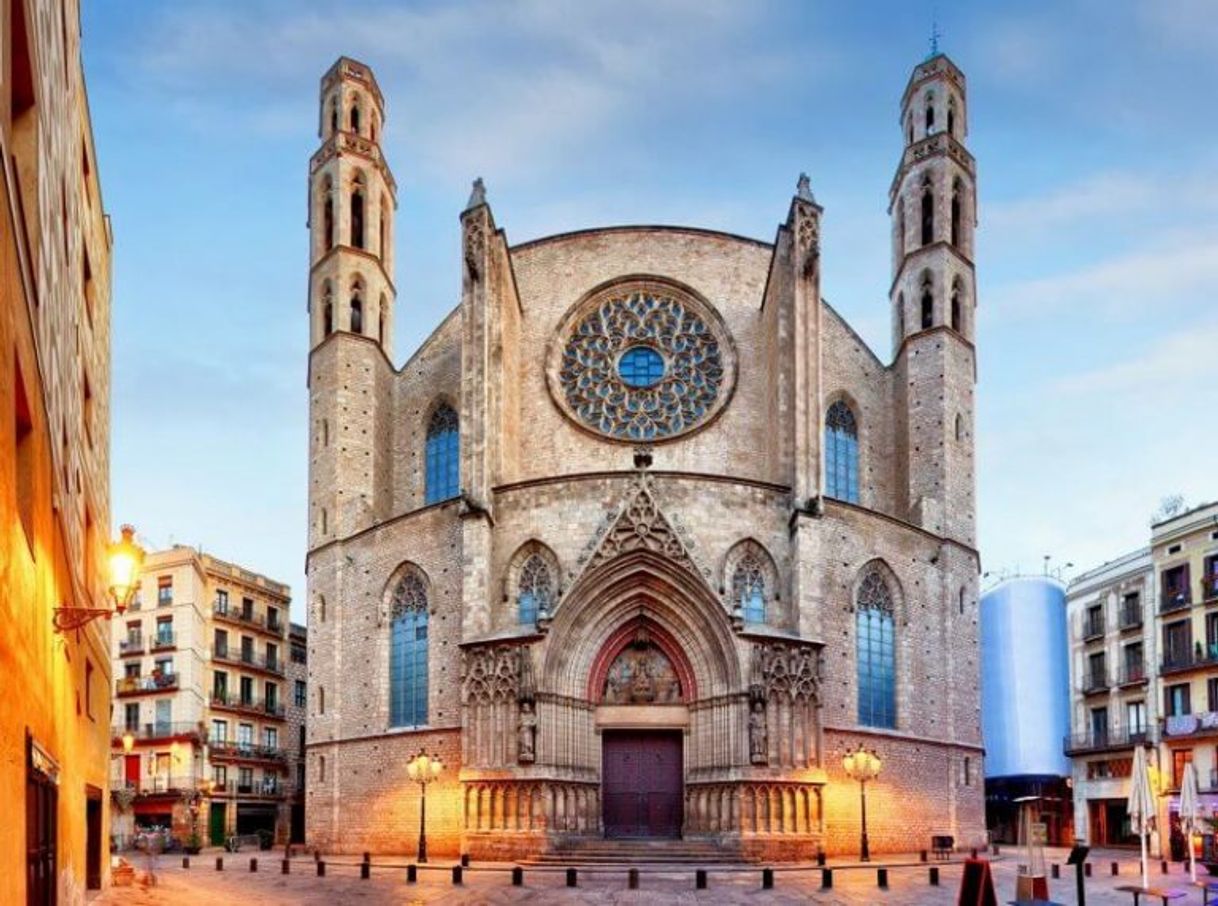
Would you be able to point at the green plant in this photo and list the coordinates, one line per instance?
(265, 838)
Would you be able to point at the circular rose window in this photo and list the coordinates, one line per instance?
(642, 361)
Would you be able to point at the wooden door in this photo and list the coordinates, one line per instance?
(93, 841)
(132, 770)
(41, 831)
(643, 783)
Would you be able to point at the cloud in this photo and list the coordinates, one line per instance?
(1184, 360)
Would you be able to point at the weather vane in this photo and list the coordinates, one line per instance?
(935, 35)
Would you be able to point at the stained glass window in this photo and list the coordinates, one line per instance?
(641, 366)
(841, 454)
(748, 589)
(408, 653)
(443, 456)
(536, 592)
(875, 653)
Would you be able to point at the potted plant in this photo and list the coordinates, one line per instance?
(194, 844)
(265, 838)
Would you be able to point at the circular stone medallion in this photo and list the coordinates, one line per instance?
(640, 361)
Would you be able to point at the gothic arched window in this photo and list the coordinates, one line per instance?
(327, 215)
(327, 310)
(333, 114)
(383, 233)
(957, 323)
(748, 589)
(928, 305)
(380, 327)
(535, 592)
(443, 456)
(930, 113)
(876, 653)
(357, 313)
(841, 453)
(355, 116)
(956, 189)
(900, 229)
(408, 652)
(900, 317)
(357, 213)
(951, 117)
(928, 212)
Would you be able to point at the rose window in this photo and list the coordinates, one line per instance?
(642, 362)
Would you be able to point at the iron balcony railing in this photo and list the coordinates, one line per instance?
(1097, 740)
(158, 784)
(1131, 615)
(1177, 661)
(137, 685)
(1093, 626)
(249, 617)
(163, 640)
(1133, 672)
(1095, 681)
(157, 730)
(249, 659)
(1175, 599)
(252, 705)
(228, 749)
(1209, 587)
(131, 646)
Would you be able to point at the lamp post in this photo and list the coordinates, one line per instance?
(424, 769)
(862, 764)
(123, 561)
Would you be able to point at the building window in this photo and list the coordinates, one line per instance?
(1179, 758)
(956, 308)
(956, 191)
(930, 114)
(841, 453)
(928, 305)
(327, 215)
(357, 313)
(219, 731)
(219, 775)
(321, 768)
(1178, 702)
(270, 737)
(357, 215)
(321, 699)
(221, 605)
(24, 433)
(355, 116)
(1099, 725)
(951, 117)
(1178, 643)
(408, 653)
(748, 589)
(900, 229)
(536, 593)
(443, 455)
(1175, 585)
(875, 652)
(301, 693)
(89, 688)
(1211, 694)
(219, 686)
(131, 717)
(928, 212)
(1135, 719)
(164, 591)
(968, 771)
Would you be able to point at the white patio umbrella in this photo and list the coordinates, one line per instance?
(1190, 812)
(1141, 805)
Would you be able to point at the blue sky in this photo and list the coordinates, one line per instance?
(1093, 124)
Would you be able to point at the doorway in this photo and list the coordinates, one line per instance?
(93, 839)
(642, 782)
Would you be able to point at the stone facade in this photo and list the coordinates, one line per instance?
(648, 501)
(55, 253)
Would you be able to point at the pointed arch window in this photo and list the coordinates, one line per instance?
(900, 229)
(748, 589)
(535, 594)
(333, 114)
(956, 191)
(355, 116)
(930, 114)
(443, 455)
(380, 326)
(357, 213)
(928, 305)
(327, 310)
(841, 453)
(327, 214)
(957, 312)
(951, 117)
(900, 317)
(875, 652)
(383, 233)
(928, 212)
(408, 652)
(357, 313)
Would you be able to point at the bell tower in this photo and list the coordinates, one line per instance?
(352, 197)
(933, 296)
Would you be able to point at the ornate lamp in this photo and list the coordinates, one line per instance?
(862, 764)
(423, 770)
(128, 742)
(123, 561)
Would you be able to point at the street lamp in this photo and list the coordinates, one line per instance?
(862, 764)
(424, 769)
(123, 561)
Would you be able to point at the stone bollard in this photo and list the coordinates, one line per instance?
(632, 879)
(285, 867)
(186, 861)
(826, 879)
(317, 855)
(820, 858)
(572, 878)
(412, 873)
(253, 864)
(700, 879)
(1116, 869)
(1055, 870)
(365, 871)
(934, 876)
(922, 855)
(1086, 869)
(517, 876)
(465, 860)
(1163, 867)
(881, 878)
(767, 879)
(321, 869)
(458, 874)
(367, 856)
(219, 863)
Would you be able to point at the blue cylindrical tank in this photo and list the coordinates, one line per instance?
(1025, 678)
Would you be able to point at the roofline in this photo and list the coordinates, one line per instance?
(1186, 514)
(1123, 562)
(640, 227)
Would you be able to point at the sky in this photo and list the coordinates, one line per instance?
(1092, 121)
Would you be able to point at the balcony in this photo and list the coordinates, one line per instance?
(1104, 741)
(229, 702)
(1096, 681)
(262, 790)
(1209, 589)
(131, 647)
(1093, 626)
(248, 618)
(158, 786)
(145, 685)
(227, 750)
(1130, 617)
(163, 641)
(154, 732)
(1197, 659)
(1203, 723)
(250, 660)
(1175, 599)
(1132, 674)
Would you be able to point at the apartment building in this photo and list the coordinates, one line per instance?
(297, 709)
(1110, 614)
(1184, 550)
(201, 734)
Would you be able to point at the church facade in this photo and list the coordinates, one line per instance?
(643, 539)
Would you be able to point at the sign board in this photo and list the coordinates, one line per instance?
(1038, 833)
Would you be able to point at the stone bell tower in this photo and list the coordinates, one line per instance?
(352, 197)
(933, 296)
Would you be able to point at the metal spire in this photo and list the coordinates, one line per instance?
(935, 35)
